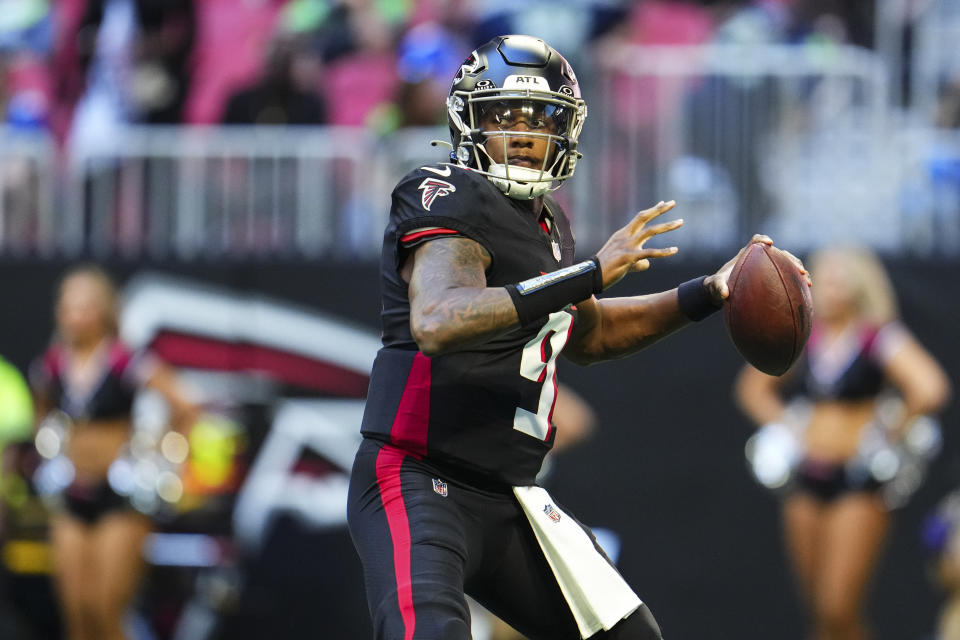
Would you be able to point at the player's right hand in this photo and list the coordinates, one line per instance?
(624, 251)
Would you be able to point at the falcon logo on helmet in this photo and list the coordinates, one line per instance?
(470, 66)
(516, 77)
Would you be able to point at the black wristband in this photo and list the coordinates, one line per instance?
(695, 301)
(597, 275)
(541, 296)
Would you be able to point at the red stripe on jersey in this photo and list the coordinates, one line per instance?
(556, 393)
(427, 234)
(389, 461)
(409, 429)
(543, 354)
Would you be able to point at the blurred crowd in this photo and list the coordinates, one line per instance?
(77, 71)
(727, 145)
(80, 65)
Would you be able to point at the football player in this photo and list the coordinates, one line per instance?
(480, 295)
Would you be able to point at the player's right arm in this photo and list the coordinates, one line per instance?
(451, 306)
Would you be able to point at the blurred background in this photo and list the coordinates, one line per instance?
(230, 163)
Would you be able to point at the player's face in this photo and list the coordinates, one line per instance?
(514, 119)
(83, 309)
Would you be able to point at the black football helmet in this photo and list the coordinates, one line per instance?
(509, 78)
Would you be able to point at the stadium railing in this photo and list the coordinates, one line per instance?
(797, 142)
(929, 188)
(214, 192)
(933, 63)
(793, 141)
(27, 167)
(235, 192)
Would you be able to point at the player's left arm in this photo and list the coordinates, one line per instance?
(616, 327)
(597, 334)
(610, 328)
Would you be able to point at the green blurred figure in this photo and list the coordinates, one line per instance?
(24, 561)
(16, 406)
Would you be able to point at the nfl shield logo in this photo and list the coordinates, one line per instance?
(440, 488)
(556, 250)
(552, 513)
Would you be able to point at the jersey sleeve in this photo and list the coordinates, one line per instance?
(420, 235)
(440, 201)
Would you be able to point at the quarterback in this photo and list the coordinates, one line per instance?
(481, 293)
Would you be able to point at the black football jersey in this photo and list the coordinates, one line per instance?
(487, 409)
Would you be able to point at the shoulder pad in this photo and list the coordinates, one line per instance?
(442, 172)
(426, 188)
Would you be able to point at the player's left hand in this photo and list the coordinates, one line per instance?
(717, 283)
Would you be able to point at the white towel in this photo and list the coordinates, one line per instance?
(598, 596)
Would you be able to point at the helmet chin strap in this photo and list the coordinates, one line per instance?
(520, 183)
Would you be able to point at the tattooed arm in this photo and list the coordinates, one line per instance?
(451, 306)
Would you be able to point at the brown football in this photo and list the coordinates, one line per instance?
(769, 309)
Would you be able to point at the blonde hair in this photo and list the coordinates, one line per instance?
(873, 295)
(99, 275)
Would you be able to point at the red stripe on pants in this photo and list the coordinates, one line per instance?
(389, 461)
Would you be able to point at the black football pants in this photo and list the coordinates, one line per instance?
(425, 539)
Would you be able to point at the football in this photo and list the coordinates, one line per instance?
(769, 309)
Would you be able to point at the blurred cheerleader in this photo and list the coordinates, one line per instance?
(837, 458)
(86, 382)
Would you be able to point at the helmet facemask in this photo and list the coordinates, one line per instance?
(497, 116)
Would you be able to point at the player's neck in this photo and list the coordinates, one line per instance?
(535, 205)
